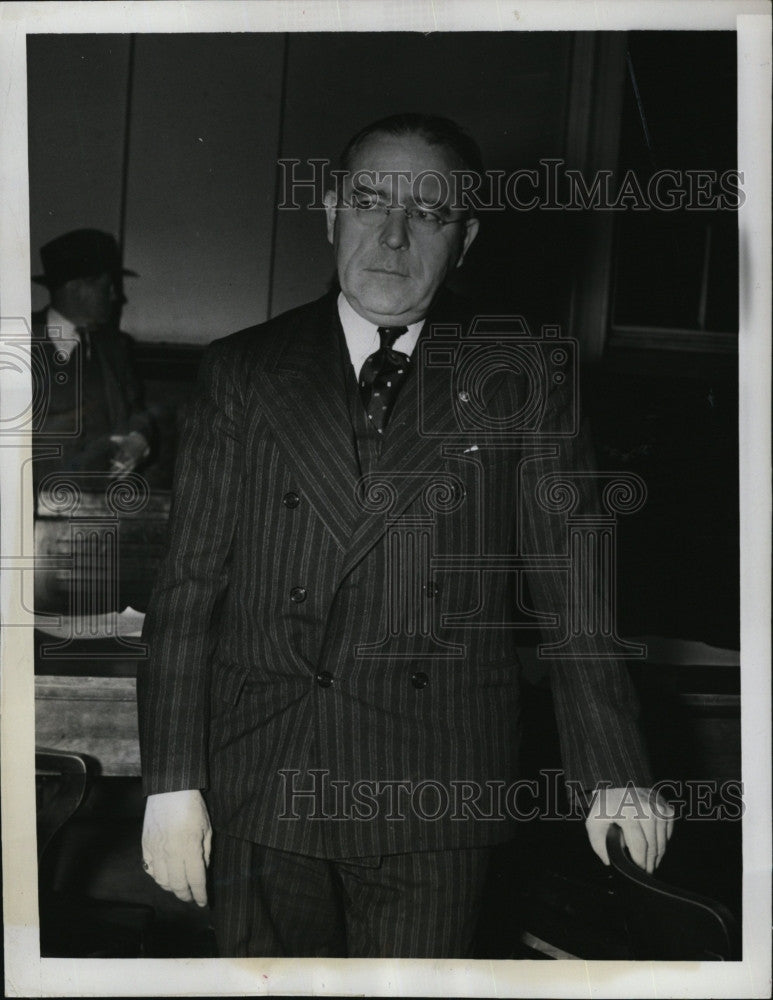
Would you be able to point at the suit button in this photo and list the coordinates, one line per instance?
(324, 679)
(298, 594)
(291, 500)
(419, 680)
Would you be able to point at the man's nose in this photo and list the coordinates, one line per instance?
(394, 231)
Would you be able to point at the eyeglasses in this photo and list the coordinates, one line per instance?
(373, 213)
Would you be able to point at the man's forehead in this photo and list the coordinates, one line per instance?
(404, 168)
(401, 154)
(408, 185)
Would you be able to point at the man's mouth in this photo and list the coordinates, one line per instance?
(386, 270)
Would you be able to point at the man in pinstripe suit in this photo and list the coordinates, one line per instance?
(331, 643)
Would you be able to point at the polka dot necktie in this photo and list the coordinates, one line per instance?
(382, 375)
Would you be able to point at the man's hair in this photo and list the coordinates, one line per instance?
(433, 129)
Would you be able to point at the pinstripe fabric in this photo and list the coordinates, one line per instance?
(424, 904)
(229, 702)
(273, 903)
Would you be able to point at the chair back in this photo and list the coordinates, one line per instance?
(62, 780)
(665, 922)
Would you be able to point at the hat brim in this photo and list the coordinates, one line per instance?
(41, 279)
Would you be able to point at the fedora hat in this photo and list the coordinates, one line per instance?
(81, 253)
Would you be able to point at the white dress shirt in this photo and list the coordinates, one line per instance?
(362, 337)
(64, 332)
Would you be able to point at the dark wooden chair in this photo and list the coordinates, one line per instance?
(73, 925)
(548, 896)
(665, 922)
(62, 782)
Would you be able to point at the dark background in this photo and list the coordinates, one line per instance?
(171, 142)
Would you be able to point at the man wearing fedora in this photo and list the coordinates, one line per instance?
(90, 415)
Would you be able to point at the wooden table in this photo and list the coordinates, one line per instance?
(96, 716)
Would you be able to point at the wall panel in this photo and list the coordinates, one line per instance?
(508, 89)
(200, 187)
(76, 101)
(206, 116)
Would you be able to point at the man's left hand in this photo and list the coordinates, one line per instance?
(130, 450)
(646, 820)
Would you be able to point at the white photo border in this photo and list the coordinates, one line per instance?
(29, 975)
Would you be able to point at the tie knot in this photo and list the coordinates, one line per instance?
(389, 334)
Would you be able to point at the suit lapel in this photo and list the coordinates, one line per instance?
(424, 419)
(105, 347)
(305, 399)
(305, 403)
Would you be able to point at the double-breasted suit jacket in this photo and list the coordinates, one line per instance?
(331, 646)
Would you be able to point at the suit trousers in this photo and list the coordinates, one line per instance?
(272, 903)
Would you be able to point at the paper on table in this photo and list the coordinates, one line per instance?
(126, 623)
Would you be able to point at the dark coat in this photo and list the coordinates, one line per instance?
(78, 405)
(274, 645)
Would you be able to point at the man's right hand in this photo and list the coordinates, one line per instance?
(176, 841)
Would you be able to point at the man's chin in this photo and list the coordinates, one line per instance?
(386, 311)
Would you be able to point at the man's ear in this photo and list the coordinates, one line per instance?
(330, 201)
(471, 227)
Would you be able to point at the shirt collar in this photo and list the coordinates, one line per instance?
(362, 336)
(64, 326)
(65, 333)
